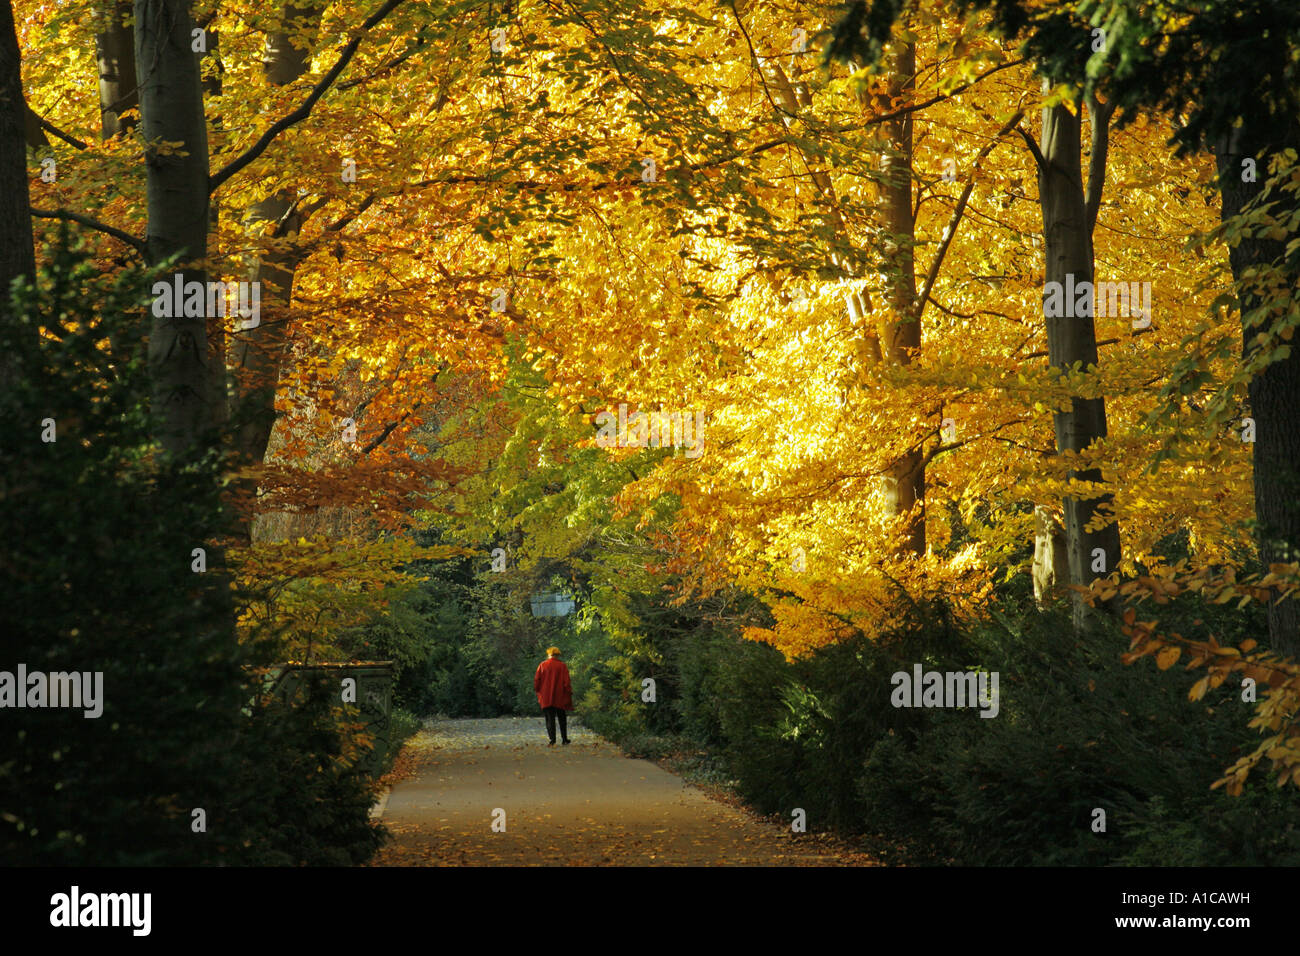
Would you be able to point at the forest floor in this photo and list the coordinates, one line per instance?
(582, 805)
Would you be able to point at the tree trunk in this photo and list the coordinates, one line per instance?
(177, 197)
(905, 480)
(1051, 570)
(115, 53)
(17, 253)
(282, 63)
(904, 483)
(217, 335)
(171, 107)
(257, 354)
(1275, 392)
(17, 250)
(1072, 338)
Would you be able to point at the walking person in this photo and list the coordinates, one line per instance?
(554, 693)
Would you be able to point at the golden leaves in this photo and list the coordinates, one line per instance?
(1268, 679)
(1167, 657)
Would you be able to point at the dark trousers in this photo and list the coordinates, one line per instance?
(551, 713)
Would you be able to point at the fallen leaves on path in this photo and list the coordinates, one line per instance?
(590, 807)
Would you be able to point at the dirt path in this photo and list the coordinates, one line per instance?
(581, 805)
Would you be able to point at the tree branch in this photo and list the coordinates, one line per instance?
(1033, 148)
(1045, 452)
(750, 151)
(1100, 117)
(136, 244)
(940, 97)
(790, 109)
(1141, 331)
(50, 127)
(343, 221)
(941, 448)
(951, 231)
(388, 430)
(303, 111)
(410, 51)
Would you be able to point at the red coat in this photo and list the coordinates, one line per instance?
(552, 684)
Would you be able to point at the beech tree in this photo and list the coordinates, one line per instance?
(1069, 216)
(664, 208)
(1233, 90)
(171, 112)
(115, 59)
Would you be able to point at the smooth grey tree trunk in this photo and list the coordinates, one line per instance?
(905, 480)
(256, 355)
(211, 78)
(171, 108)
(1072, 339)
(115, 55)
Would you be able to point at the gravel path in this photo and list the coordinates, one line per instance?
(581, 805)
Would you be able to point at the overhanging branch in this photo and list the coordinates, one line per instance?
(118, 234)
(46, 125)
(302, 112)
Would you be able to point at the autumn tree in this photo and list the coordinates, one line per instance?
(1232, 88)
(672, 207)
(171, 112)
(1069, 217)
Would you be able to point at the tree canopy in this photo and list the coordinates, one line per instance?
(798, 320)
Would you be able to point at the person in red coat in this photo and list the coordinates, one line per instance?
(554, 693)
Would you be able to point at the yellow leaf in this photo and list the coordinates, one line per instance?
(1166, 658)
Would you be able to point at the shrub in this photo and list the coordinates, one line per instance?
(1077, 731)
(99, 529)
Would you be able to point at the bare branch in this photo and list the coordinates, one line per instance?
(344, 220)
(1141, 331)
(790, 109)
(388, 430)
(940, 97)
(50, 127)
(118, 234)
(737, 154)
(993, 433)
(385, 67)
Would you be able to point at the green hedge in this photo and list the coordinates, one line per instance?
(1077, 730)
